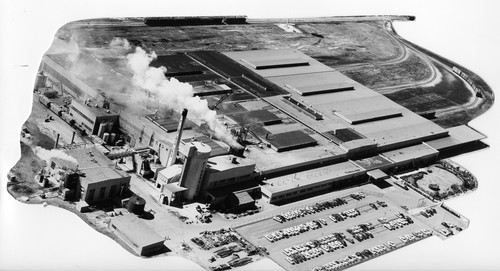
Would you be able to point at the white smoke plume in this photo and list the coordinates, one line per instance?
(48, 155)
(174, 94)
(119, 43)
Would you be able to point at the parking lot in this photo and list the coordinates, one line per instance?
(305, 232)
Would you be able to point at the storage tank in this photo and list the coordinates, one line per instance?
(197, 155)
(105, 137)
(112, 138)
(102, 129)
(41, 80)
(136, 205)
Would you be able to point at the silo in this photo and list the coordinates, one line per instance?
(41, 80)
(105, 138)
(136, 205)
(102, 129)
(197, 155)
(112, 138)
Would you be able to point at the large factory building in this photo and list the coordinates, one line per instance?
(97, 179)
(305, 128)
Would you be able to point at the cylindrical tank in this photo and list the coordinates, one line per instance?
(112, 138)
(41, 80)
(136, 205)
(105, 138)
(194, 168)
(102, 129)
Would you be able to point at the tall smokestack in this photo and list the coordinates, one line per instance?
(73, 137)
(57, 142)
(175, 149)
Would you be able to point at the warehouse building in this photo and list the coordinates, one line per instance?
(95, 118)
(137, 235)
(98, 180)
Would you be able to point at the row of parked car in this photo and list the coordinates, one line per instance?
(428, 212)
(356, 257)
(337, 217)
(295, 230)
(358, 195)
(398, 223)
(302, 252)
(415, 236)
(304, 256)
(318, 207)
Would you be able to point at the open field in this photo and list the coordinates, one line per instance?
(366, 50)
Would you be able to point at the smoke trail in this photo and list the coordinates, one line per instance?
(174, 94)
(48, 155)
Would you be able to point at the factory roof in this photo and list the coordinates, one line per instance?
(171, 171)
(100, 174)
(224, 162)
(218, 147)
(372, 162)
(255, 116)
(178, 64)
(243, 198)
(86, 158)
(136, 231)
(169, 124)
(408, 153)
(290, 140)
(464, 134)
(249, 59)
(92, 109)
(377, 174)
(174, 187)
(313, 177)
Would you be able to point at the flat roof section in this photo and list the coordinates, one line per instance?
(218, 148)
(178, 65)
(275, 55)
(135, 230)
(373, 162)
(256, 116)
(442, 143)
(358, 118)
(100, 174)
(313, 177)
(169, 124)
(409, 153)
(313, 83)
(290, 141)
(343, 135)
(86, 158)
(465, 134)
(319, 89)
(272, 62)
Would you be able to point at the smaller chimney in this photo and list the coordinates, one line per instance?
(57, 142)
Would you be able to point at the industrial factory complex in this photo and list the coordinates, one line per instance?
(293, 137)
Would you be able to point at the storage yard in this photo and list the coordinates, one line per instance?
(227, 152)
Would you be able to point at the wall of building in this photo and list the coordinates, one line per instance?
(194, 169)
(71, 84)
(215, 179)
(100, 191)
